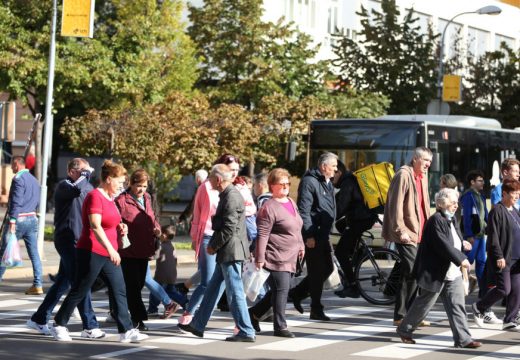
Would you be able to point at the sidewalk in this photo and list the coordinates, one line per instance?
(51, 260)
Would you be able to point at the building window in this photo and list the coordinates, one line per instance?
(478, 41)
(332, 22)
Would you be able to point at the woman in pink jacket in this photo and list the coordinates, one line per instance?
(279, 244)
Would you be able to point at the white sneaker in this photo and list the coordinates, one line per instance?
(60, 333)
(76, 315)
(133, 336)
(42, 329)
(478, 317)
(511, 326)
(109, 318)
(517, 318)
(93, 334)
(491, 318)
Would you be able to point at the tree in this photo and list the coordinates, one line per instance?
(350, 103)
(282, 120)
(392, 58)
(493, 87)
(181, 132)
(139, 53)
(245, 59)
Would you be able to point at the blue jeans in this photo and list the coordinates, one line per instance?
(226, 276)
(26, 229)
(478, 254)
(89, 266)
(64, 278)
(162, 294)
(206, 267)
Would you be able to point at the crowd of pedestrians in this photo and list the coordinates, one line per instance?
(111, 234)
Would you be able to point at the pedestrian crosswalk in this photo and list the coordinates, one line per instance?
(369, 327)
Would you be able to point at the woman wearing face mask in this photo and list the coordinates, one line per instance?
(438, 273)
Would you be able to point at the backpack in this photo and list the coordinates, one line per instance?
(374, 182)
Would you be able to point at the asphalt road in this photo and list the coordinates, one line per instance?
(358, 331)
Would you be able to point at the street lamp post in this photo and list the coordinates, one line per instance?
(486, 10)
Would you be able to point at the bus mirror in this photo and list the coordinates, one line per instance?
(436, 162)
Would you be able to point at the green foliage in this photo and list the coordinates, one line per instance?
(391, 58)
(357, 104)
(246, 59)
(493, 87)
(283, 119)
(139, 53)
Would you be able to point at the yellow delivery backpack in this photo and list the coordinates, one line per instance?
(374, 181)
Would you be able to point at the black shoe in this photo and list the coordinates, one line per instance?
(297, 302)
(190, 329)
(180, 287)
(254, 321)
(141, 326)
(52, 277)
(349, 291)
(240, 338)
(283, 333)
(319, 315)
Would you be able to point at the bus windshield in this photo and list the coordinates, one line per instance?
(360, 143)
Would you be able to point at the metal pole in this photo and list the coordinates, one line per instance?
(441, 56)
(47, 137)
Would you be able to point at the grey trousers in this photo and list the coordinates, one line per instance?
(452, 295)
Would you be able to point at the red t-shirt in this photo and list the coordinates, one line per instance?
(420, 195)
(96, 203)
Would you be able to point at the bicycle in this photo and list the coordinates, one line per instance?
(376, 271)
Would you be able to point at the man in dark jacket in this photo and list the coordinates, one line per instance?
(229, 242)
(352, 218)
(68, 198)
(317, 207)
(24, 199)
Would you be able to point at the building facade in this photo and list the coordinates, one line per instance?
(323, 18)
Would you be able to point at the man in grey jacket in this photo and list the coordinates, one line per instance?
(229, 242)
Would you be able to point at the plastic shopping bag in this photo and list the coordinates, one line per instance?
(12, 256)
(253, 279)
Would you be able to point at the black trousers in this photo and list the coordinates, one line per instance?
(134, 272)
(406, 293)
(319, 268)
(346, 246)
(276, 297)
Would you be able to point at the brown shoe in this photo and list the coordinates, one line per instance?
(473, 345)
(34, 290)
(425, 323)
(407, 340)
(398, 322)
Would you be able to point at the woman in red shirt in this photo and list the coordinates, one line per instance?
(96, 254)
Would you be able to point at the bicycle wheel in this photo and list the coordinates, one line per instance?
(377, 277)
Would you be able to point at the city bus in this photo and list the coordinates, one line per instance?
(459, 144)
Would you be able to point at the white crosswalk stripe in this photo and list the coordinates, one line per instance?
(424, 345)
(352, 323)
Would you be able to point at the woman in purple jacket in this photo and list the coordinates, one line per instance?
(279, 244)
(135, 205)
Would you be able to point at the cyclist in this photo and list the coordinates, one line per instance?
(354, 217)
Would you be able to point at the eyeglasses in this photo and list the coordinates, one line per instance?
(284, 184)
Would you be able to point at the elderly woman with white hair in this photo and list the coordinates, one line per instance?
(438, 273)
